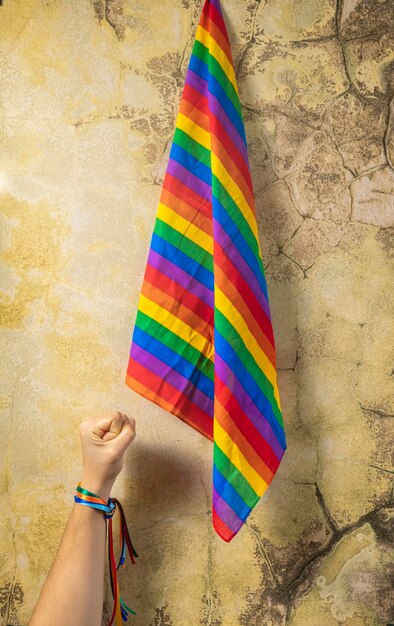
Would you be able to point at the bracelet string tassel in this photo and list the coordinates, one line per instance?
(120, 610)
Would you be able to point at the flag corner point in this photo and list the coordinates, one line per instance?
(221, 528)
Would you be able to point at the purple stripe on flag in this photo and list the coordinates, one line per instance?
(225, 373)
(199, 84)
(180, 276)
(225, 512)
(187, 178)
(172, 377)
(216, 4)
(244, 269)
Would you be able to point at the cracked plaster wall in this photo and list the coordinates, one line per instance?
(88, 98)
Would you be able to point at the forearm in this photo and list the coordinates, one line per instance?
(73, 591)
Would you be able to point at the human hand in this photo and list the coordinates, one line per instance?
(104, 440)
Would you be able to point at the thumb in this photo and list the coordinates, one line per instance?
(121, 442)
(108, 426)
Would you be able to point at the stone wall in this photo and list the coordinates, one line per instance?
(88, 97)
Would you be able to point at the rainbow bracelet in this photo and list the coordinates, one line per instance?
(87, 498)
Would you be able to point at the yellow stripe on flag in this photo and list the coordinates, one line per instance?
(184, 227)
(177, 326)
(231, 450)
(204, 37)
(236, 194)
(192, 129)
(234, 317)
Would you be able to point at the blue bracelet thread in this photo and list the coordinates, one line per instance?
(87, 498)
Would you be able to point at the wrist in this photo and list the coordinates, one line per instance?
(99, 487)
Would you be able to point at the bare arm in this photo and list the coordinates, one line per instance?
(73, 591)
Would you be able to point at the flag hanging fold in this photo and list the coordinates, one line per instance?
(203, 344)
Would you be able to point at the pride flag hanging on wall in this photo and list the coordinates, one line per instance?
(203, 344)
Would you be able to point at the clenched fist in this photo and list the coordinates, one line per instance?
(104, 439)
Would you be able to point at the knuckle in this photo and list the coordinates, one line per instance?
(112, 460)
(111, 455)
(131, 434)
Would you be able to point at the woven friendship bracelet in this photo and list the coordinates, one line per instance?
(87, 498)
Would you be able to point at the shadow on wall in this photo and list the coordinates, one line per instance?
(163, 488)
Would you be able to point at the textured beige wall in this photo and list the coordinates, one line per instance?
(88, 94)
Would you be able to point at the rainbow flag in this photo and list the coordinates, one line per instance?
(203, 344)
